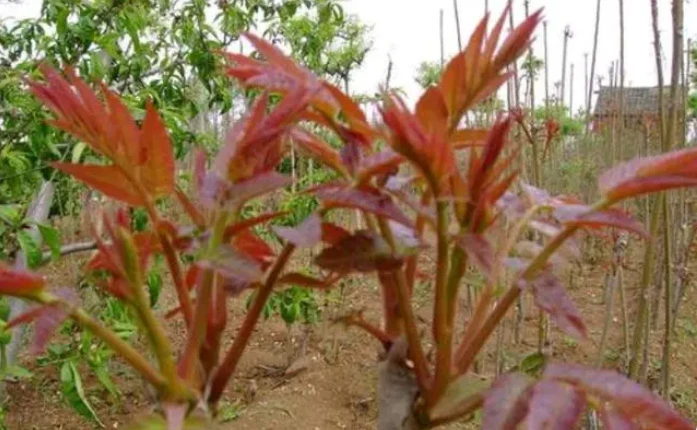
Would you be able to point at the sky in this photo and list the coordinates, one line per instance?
(408, 32)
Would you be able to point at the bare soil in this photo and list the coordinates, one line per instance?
(334, 387)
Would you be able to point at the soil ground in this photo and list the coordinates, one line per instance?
(335, 387)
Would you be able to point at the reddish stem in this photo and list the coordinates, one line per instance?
(227, 367)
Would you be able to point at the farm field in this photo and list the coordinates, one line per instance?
(226, 215)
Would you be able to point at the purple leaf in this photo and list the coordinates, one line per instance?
(479, 249)
(238, 271)
(362, 251)
(628, 397)
(551, 297)
(582, 216)
(50, 318)
(614, 420)
(555, 406)
(506, 402)
(217, 191)
(306, 235)
(366, 198)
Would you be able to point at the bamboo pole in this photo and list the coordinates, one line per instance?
(593, 60)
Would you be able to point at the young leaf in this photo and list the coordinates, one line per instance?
(51, 237)
(671, 170)
(583, 216)
(479, 249)
(30, 248)
(109, 180)
(306, 235)
(506, 402)
(217, 191)
(551, 297)
(362, 251)
(332, 233)
(365, 197)
(555, 406)
(74, 393)
(11, 214)
(20, 283)
(317, 148)
(626, 396)
(156, 150)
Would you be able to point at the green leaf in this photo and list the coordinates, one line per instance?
(51, 238)
(31, 249)
(71, 387)
(154, 287)
(78, 149)
(16, 372)
(458, 391)
(11, 214)
(533, 363)
(103, 375)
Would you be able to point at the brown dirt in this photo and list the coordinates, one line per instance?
(337, 388)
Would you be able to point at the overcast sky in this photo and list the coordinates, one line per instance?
(408, 31)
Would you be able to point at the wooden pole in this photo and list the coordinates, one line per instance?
(457, 26)
(593, 60)
(442, 41)
(571, 91)
(567, 36)
(546, 70)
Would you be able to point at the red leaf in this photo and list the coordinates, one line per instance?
(477, 247)
(295, 278)
(555, 406)
(432, 112)
(365, 197)
(551, 297)
(306, 235)
(333, 234)
(465, 138)
(363, 251)
(506, 402)
(317, 148)
(20, 283)
(626, 396)
(251, 245)
(650, 174)
(431, 153)
(156, 150)
(382, 163)
(109, 180)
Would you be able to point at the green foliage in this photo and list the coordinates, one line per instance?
(74, 393)
(569, 124)
(428, 74)
(294, 305)
(160, 50)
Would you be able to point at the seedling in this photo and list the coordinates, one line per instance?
(432, 205)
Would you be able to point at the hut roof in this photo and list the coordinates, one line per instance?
(638, 101)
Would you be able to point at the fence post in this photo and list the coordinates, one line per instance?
(37, 212)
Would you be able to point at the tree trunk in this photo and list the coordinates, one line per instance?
(546, 71)
(567, 35)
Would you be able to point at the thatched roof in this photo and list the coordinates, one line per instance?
(638, 101)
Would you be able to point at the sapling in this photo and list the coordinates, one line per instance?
(457, 213)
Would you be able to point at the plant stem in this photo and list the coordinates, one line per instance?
(229, 363)
(668, 269)
(197, 329)
(442, 322)
(403, 300)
